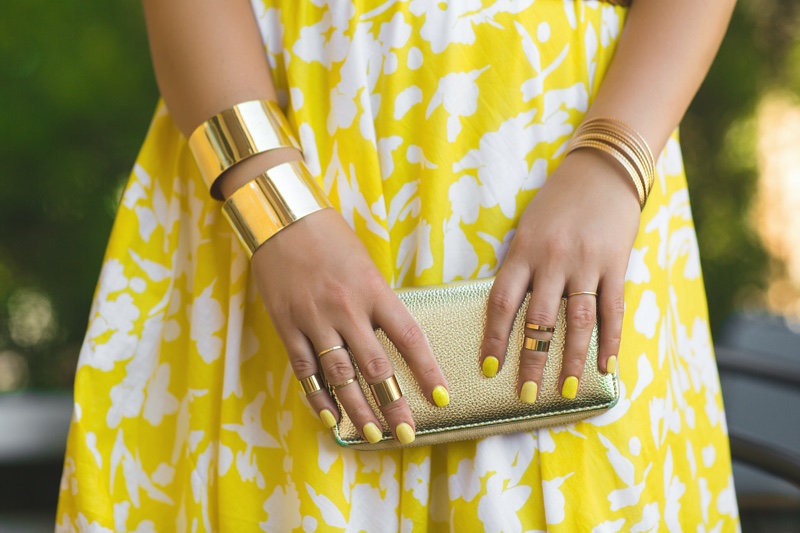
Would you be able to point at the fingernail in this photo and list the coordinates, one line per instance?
(570, 387)
(404, 433)
(327, 418)
(440, 396)
(372, 432)
(528, 392)
(611, 365)
(489, 366)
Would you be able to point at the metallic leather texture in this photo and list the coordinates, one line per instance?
(237, 133)
(270, 202)
(453, 318)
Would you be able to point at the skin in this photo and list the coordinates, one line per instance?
(575, 235)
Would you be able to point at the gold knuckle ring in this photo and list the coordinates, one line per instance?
(386, 391)
(537, 327)
(576, 293)
(310, 384)
(536, 345)
(342, 384)
(331, 349)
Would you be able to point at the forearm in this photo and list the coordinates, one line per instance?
(208, 56)
(664, 53)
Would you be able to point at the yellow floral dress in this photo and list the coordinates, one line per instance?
(430, 124)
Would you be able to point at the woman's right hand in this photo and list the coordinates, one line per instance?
(321, 290)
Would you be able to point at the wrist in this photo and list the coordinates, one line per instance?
(601, 169)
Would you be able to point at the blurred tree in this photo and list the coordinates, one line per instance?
(78, 94)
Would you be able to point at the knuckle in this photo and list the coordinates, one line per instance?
(359, 412)
(376, 368)
(410, 335)
(494, 340)
(532, 364)
(611, 341)
(501, 302)
(303, 367)
(396, 410)
(338, 370)
(615, 306)
(539, 316)
(582, 316)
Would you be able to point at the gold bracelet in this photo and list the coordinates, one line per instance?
(272, 201)
(626, 145)
(237, 133)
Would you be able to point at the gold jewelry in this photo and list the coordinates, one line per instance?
(310, 384)
(624, 144)
(329, 350)
(537, 327)
(272, 201)
(237, 133)
(536, 345)
(342, 384)
(577, 293)
(386, 391)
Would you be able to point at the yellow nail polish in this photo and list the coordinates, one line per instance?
(570, 387)
(440, 396)
(489, 366)
(528, 392)
(404, 433)
(372, 432)
(327, 418)
(611, 365)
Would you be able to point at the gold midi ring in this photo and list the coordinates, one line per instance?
(590, 293)
(310, 384)
(386, 391)
(536, 345)
(329, 350)
(342, 384)
(537, 327)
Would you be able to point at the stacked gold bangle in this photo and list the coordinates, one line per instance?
(624, 144)
(272, 200)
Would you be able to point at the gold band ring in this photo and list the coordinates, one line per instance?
(342, 384)
(310, 384)
(590, 293)
(537, 327)
(329, 350)
(536, 345)
(386, 391)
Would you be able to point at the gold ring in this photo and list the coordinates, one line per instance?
(590, 293)
(342, 384)
(329, 350)
(310, 384)
(537, 327)
(386, 391)
(536, 345)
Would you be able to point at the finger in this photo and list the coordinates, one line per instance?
(404, 332)
(581, 316)
(542, 312)
(304, 363)
(508, 292)
(612, 310)
(375, 366)
(341, 376)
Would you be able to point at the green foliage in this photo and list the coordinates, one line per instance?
(78, 92)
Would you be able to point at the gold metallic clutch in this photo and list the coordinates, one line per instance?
(453, 317)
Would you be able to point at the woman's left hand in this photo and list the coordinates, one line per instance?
(575, 235)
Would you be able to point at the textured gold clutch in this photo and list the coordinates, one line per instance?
(453, 318)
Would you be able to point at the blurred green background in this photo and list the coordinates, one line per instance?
(77, 94)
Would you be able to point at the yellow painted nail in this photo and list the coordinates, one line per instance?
(611, 365)
(404, 433)
(570, 387)
(528, 392)
(489, 366)
(327, 418)
(440, 396)
(372, 432)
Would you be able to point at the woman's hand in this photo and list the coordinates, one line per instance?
(575, 235)
(322, 290)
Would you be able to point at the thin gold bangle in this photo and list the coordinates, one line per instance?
(616, 154)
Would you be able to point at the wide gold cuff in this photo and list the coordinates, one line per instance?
(237, 133)
(272, 201)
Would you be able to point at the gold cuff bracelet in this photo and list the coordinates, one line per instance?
(625, 145)
(272, 201)
(237, 133)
